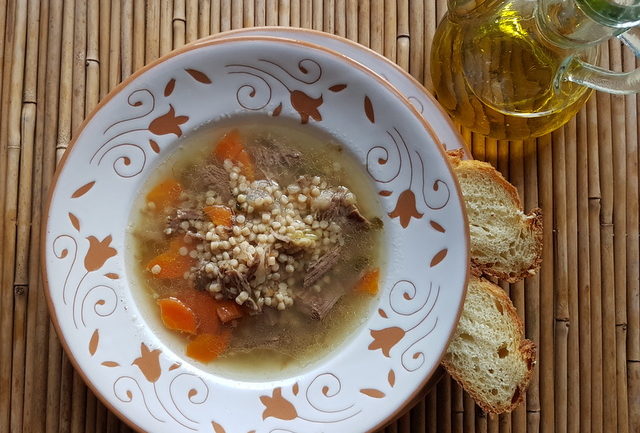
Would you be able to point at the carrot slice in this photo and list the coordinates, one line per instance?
(177, 316)
(207, 347)
(204, 307)
(368, 282)
(231, 147)
(165, 194)
(169, 265)
(219, 215)
(228, 311)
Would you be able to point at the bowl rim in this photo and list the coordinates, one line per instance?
(427, 92)
(205, 42)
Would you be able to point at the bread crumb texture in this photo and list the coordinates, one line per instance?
(488, 354)
(506, 243)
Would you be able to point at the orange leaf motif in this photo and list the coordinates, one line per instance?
(217, 428)
(277, 406)
(385, 193)
(338, 87)
(168, 123)
(112, 276)
(83, 189)
(372, 392)
(174, 366)
(93, 343)
(368, 110)
(74, 221)
(111, 364)
(437, 226)
(295, 388)
(99, 252)
(198, 76)
(154, 146)
(406, 208)
(385, 339)
(306, 106)
(438, 257)
(149, 363)
(277, 110)
(168, 89)
(391, 377)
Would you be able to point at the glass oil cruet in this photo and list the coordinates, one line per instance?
(514, 69)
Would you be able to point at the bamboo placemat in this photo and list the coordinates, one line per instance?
(58, 58)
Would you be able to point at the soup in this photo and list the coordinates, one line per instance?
(257, 246)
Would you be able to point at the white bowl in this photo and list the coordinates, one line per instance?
(380, 367)
(411, 89)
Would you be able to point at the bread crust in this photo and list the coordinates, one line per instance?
(533, 220)
(526, 348)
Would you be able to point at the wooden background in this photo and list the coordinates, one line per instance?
(57, 60)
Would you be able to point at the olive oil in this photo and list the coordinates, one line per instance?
(498, 75)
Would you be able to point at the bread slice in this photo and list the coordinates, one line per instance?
(488, 355)
(505, 242)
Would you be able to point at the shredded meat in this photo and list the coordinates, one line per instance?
(338, 208)
(237, 281)
(270, 156)
(195, 235)
(201, 281)
(353, 213)
(317, 269)
(215, 177)
(317, 305)
(180, 215)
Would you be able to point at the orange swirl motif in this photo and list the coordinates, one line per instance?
(406, 202)
(405, 303)
(306, 105)
(150, 365)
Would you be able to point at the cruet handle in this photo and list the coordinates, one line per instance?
(620, 83)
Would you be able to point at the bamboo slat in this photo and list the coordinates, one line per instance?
(517, 178)
(532, 290)
(547, 286)
(6, 16)
(11, 196)
(607, 257)
(34, 400)
(583, 289)
(24, 206)
(59, 58)
(595, 268)
(619, 243)
(416, 33)
(633, 265)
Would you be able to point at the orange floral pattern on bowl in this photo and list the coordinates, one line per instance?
(104, 330)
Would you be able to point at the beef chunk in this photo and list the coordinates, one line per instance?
(202, 281)
(235, 282)
(317, 305)
(214, 176)
(271, 158)
(353, 214)
(180, 215)
(317, 269)
(339, 208)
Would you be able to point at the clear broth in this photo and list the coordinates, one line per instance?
(302, 340)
